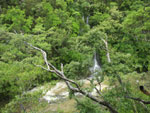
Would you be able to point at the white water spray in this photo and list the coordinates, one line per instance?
(87, 20)
(60, 90)
(96, 67)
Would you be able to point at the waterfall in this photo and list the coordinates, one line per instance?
(96, 67)
(87, 20)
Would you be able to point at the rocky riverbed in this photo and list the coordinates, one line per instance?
(60, 91)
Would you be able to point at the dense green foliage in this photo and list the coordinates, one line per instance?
(87, 106)
(71, 31)
(116, 96)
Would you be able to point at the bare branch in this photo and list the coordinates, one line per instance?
(138, 99)
(42, 67)
(97, 90)
(68, 81)
(43, 53)
(62, 68)
(106, 45)
(145, 107)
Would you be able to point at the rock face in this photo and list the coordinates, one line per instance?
(60, 91)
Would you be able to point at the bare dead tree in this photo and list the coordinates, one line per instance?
(75, 87)
(107, 50)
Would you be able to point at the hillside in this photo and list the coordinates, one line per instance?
(73, 33)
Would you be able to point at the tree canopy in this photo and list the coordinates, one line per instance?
(71, 32)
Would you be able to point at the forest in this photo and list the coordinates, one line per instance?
(72, 33)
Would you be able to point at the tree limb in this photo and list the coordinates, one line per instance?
(97, 90)
(138, 99)
(53, 69)
(43, 53)
(106, 45)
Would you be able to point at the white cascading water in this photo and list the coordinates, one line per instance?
(96, 67)
(60, 90)
(87, 20)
